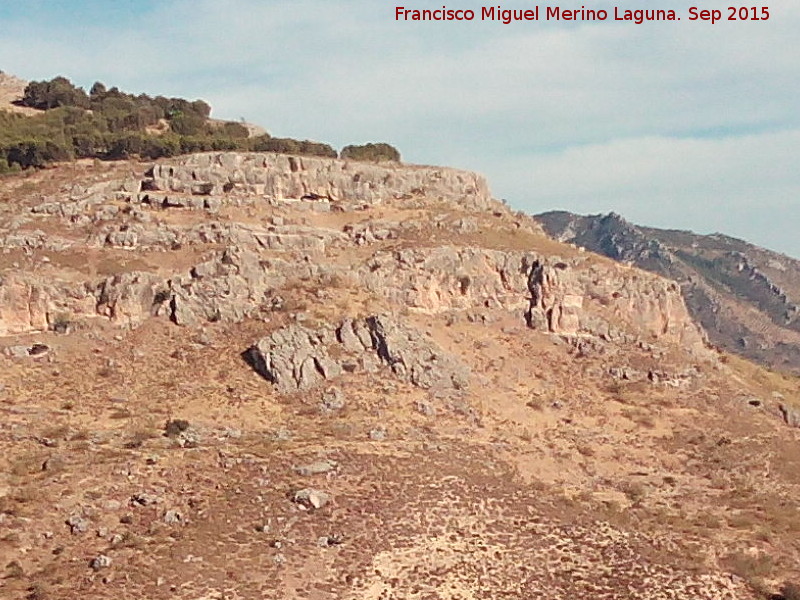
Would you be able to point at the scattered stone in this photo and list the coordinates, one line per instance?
(144, 499)
(316, 468)
(100, 562)
(188, 439)
(34, 351)
(77, 524)
(625, 374)
(332, 400)
(378, 434)
(310, 498)
(282, 435)
(16, 351)
(53, 464)
(172, 517)
(425, 408)
(232, 433)
(791, 415)
(328, 541)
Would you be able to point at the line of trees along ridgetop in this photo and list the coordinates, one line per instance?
(110, 124)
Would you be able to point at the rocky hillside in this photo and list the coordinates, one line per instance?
(253, 375)
(745, 297)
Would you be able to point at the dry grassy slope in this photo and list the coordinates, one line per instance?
(547, 478)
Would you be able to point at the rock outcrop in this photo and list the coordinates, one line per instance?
(603, 300)
(283, 177)
(253, 259)
(130, 298)
(449, 278)
(297, 358)
(23, 306)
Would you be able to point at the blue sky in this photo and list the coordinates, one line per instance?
(683, 125)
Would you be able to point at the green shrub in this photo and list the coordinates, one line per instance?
(52, 94)
(117, 127)
(371, 152)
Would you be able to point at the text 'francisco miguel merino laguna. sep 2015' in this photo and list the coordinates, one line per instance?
(556, 13)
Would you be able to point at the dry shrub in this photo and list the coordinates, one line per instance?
(753, 568)
(790, 591)
(29, 463)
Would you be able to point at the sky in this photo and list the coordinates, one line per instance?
(684, 125)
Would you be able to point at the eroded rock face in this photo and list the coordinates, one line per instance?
(449, 278)
(599, 299)
(556, 298)
(231, 286)
(308, 178)
(255, 258)
(23, 306)
(295, 358)
(130, 298)
(413, 357)
(745, 298)
(298, 358)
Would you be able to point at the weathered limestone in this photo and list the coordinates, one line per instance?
(308, 178)
(129, 298)
(556, 299)
(23, 305)
(434, 280)
(296, 358)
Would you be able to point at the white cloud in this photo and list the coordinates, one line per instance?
(744, 186)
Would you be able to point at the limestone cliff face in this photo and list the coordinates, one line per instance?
(288, 177)
(23, 306)
(600, 298)
(435, 280)
(388, 257)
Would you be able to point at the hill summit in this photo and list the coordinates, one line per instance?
(252, 374)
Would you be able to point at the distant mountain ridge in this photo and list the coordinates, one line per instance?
(746, 298)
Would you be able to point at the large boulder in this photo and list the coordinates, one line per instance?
(297, 358)
(413, 357)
